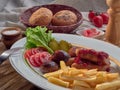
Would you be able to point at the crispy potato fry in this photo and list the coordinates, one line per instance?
(58, 81)
(77, 71)
(62, 65)
(84, 79)
(66, 78)
(91, 72)
(113, 88)
(81, 83)
(89, 79)
(81, 88)
(53, 74)
(101, 77)
(112, 76)
(108, 85)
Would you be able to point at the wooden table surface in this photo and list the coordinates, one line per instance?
(10, 79)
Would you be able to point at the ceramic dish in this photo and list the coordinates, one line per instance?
(34, 75)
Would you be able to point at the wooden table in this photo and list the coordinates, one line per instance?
(10, 79)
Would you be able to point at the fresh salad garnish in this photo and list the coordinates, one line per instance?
(38, 37)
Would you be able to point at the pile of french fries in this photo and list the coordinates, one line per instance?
(84, 79)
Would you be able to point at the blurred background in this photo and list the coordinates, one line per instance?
(83, 5)
(11, 9)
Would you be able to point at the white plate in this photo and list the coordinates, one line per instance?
(22, 68)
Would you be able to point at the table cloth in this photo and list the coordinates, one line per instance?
(11, 9)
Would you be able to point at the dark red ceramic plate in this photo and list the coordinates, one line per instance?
(24, 17)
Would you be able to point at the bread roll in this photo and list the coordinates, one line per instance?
(42, 16)
(64, 17)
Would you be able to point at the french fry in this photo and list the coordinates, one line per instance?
(77, 71)
(58, 81)
(90, 72)
(81, 88)
(62, 65)
(112, 76)
(101, 77)
(108, 85)
(53, 74)
(90, 79)
(86, 79)
(81, 83)
(66, 79)
(113, 88)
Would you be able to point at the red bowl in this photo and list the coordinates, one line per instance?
(24, 17)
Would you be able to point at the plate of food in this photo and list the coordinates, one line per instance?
(64, 61)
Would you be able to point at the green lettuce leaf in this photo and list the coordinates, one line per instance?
(38, 37)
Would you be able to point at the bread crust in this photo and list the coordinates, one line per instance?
(64, 17)
(42, 16)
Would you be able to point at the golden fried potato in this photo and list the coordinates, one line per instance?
(58, 81)
(84, 79)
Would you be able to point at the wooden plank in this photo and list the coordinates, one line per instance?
(5, 79)
(9, 83)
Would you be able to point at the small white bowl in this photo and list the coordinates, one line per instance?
(99, 36)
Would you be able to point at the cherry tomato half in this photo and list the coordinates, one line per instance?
(32, 51)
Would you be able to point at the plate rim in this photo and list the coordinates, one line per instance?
(56, 34)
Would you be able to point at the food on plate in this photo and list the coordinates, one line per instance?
(64, 17)
(54, 45)
(72, 51)
(42, 16)
(37, 37)
(64, 45)
(84, 79)
(40, 52)
(37, 58)
(61, 45)
(91, 59)
(58, 81)
(78, 68)
(30, 52)
(60, 55)
(49, 67)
